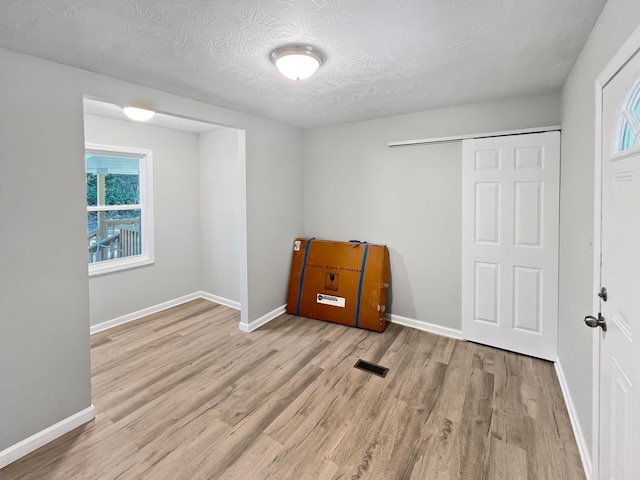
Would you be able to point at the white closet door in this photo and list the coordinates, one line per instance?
(510, 215)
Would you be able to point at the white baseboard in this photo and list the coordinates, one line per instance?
(221, 300)
(585, 455)
(425, 326)
(28, 445)
(263, 319)
(130, 317)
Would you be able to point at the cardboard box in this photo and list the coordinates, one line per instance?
(341, 282)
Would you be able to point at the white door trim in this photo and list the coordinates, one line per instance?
(620, 59)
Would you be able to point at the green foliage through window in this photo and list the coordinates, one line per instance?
(119, 189)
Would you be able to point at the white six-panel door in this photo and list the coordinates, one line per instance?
(510, 215)
(620, 274)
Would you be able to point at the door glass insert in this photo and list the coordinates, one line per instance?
(628, 134)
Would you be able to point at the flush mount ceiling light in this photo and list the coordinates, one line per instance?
(297, 61)
(138, 114)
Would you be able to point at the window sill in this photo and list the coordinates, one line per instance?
(111, 266)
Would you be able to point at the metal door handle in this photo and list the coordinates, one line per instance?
(594, 322)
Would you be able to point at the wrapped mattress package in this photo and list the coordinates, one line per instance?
(341, 282)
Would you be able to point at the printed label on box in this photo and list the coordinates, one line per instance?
(331, 281)
(296, 246)
(331, 300)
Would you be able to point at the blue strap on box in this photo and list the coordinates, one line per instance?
(364, 262)
(304, 267)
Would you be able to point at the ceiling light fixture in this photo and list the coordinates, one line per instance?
(297, 61)
(138, 114)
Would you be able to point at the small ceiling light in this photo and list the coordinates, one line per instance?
(297, 61)
(138, 114)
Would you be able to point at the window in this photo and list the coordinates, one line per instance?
(628, 134)
(119, 208)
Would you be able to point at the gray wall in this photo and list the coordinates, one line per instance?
(44, 292)
(274, 212)
(220, 184)
(616, 23)
(408, 198)
(176, 271)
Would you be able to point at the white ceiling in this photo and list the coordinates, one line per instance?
(384, 57)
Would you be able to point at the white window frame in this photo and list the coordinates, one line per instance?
(145, 206)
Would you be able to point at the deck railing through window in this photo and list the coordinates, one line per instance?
(119, 239)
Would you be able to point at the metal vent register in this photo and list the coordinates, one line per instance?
(371, 368)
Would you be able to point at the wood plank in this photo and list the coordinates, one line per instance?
(436, 455)
(475, 426)
(506, 461)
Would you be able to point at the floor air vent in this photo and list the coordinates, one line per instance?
(371, 368)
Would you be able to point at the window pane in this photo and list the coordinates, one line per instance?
(122, 189)
(113, 234)
(627, 138)
(636, 108)
(112, 180)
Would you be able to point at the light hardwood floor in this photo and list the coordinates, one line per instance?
(184, 394)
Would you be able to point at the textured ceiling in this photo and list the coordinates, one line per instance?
(384, 57)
